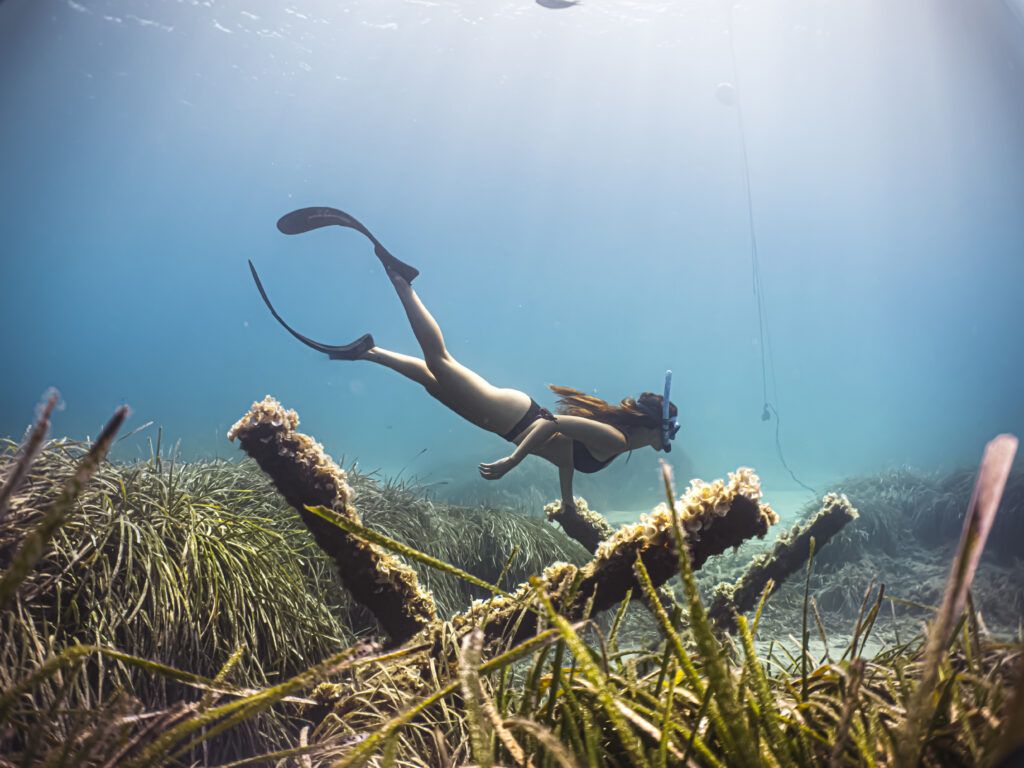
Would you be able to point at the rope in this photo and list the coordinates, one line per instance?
(767, 358)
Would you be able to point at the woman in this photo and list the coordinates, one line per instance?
(587, 434)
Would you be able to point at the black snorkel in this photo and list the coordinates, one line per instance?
(669, 424)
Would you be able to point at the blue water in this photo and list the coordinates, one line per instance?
(569, 183)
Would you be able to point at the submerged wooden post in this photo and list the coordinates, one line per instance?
(716, 516)
(306, 476)
(581, 523)
(787, 556)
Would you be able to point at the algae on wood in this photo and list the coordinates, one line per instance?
(581, 523)
(306, 477)
(789, 554)
(716, 517)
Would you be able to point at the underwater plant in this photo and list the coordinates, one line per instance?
(696, 700)
(903, 507)
(527, 677)
(29, 451)
(176, 563)
(194, 564)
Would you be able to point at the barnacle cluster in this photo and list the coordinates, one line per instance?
(307, 477)
(832, 501)
(699, 508)
(267, 411)
(553, 512)
(582, 523)
(269, 423)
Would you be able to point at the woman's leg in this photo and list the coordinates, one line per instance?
(464, 391)
(411, 367)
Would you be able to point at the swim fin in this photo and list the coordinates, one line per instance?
(306, 219)
(352, 351)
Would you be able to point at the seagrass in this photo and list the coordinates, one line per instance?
(568, 695)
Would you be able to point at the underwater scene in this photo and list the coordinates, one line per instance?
(538, 383)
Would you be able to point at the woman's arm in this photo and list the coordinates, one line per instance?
(565, 481)
(600, 438)
(537, 434)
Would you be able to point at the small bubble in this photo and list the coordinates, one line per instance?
(725, 92)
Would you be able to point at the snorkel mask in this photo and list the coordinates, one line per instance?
(669, 425)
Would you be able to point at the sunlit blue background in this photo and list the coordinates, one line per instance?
(570, 187)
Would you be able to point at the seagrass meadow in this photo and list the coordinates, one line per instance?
(206, 613)
(658, 366)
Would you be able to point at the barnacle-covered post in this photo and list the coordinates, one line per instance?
(306, 476)
(786, 557)
(716, 516)
(581, 523)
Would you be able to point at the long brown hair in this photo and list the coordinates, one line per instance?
(644, 411)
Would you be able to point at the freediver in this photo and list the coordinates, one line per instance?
(586, 435)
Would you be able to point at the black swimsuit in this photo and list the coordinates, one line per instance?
(582, 459)
(533, 413)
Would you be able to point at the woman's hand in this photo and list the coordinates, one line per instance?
(497, 469)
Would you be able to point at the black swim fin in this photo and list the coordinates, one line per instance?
(352, 351)
(306, 219)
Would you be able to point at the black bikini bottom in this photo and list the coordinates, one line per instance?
(533, 413)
